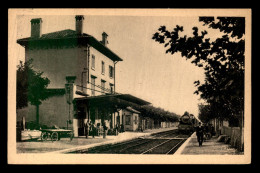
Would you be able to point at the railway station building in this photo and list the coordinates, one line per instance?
(81, 70)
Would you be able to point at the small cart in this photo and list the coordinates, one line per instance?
(56, 134)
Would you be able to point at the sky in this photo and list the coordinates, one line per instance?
(146, 71)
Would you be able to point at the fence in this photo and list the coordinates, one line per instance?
(235, 136)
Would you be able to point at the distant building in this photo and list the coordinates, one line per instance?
(82, 71)
(132, 119)
(218, 124)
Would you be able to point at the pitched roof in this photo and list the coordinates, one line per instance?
(71, 34)
(61, 34)
(132, 110)
(67, 33)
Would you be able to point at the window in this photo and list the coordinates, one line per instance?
(93, 78)
(111, 71)
(93, 62)
(128, 120)
(103, 86)
(111, 87)
(103, 67)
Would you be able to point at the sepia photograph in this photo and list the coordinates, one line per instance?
(129, 86)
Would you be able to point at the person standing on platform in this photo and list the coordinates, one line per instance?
(87, 129)
(98, 129)
(122, 128)
(199, 133)
(117, 128)
(93, 130)
(104, 131)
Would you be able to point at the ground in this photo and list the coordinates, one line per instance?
(65, 143)
(49, 146)
(209, 147)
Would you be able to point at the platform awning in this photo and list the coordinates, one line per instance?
(113, 100)
(133, 99)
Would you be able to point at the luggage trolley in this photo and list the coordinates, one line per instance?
(56, 134)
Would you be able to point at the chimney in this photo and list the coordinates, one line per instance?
(104, 38)
(36, 28)
(79, 24)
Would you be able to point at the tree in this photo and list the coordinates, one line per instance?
(205, 113)
(31, 87)
(157, 114)
(222, 60)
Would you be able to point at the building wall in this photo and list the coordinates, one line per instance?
(56, 64)
(127, 122)
(53, 111)
(59, 63)
(135, 121)
(142, 122)
(132, 126)
(218, 124)
(97, 71)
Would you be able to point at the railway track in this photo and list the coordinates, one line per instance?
(167, 147)
(165, 133)
(160, 143)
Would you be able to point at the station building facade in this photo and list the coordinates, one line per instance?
(81, 71)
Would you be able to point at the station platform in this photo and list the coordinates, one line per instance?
(121, 137)
(209, 147)
(64, 145)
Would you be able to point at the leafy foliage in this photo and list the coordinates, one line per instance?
(31, 87)
(205, 113)
(222, 60)
(157, 113)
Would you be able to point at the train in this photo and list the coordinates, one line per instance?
(187, 123)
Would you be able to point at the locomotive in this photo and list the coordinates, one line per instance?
(188, 123)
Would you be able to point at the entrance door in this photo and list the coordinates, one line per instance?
(81, 127)
(81, 117)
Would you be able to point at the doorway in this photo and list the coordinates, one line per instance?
(81, 117)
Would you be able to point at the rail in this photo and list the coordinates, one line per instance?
(177, 145)
(160, 143)
(156, 146)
